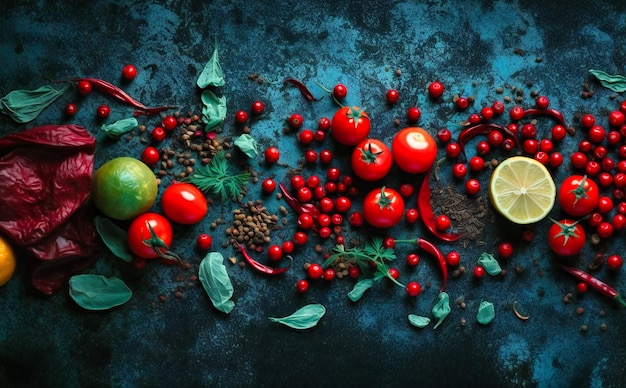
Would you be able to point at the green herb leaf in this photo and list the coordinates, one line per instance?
(359, 289)
(304, 318)
(216, 283)
(441, 308)
(419, 321)
(212, 74)
(24, 105)
(120, 127)
(217, 177)
(616, 83)
(96, 292)
(486, 313)
(114, 237)
(489, 262)
(247, 145)
(214, 110)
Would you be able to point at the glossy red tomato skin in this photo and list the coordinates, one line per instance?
(183, 203)
(586, 201)
(350, 125)
(138, 231)
(435, 89)
(371, 160)
(129, 72)
(204, 241)
(169, 123)
(383, 212)
(84, 87)
(414, 150)
(570, 246)
(103, 111)
(614, 262)
(150, 156)
(272, 154)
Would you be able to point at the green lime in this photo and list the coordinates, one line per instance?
(124, 188)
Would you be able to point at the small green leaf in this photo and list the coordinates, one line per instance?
(212, 74)
(441, 308)
(419, 321)
(96, 292)
(247, 145)
(486, 313)
(359, 289)
(114, 237)
(24, 105)
(489, 262)
(120, 127)
(214, 110)
(216, 283)
(616, 83)
(304, 318)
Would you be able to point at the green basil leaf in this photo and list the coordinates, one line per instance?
(24, 105)
(214, 110)
(359, 289)
(212, 74)
(247, 145)
(419, 321)
(441, 308)
(616, 83)
(486, 313)
(120, 127)
(304, 318)
(489, 262)
(97, 292)
(114, 237)
(216, 283)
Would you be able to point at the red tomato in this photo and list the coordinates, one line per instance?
(184, 203)
(129, 72)
(315, 271)
(272, 154)
(302, 286)
(150, 156)
(566, 237)
(578, 195)
(169, 123)
(268, 186)
(139, 234)
(413, 289)
(383, 207)
(204, 241)
(84, 87)
(257, 107)
(158, 134)
(275, 252)
(371, 160)
(103, 111)
(350, 125)
(70, 109)
(414, 150)
(340, 91)
(392, 96)
(435, 89)
(614, 262)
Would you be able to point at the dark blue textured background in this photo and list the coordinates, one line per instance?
(469, 46)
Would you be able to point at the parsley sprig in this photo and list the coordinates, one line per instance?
(373, 251)
(219, 178)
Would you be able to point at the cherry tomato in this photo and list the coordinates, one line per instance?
(413, 289)
(354, 272)
(444, 135)
(605, 204)
(479, 271)
(442, 222)
(459, 170)
(542, 102)
(158, 134)
(150, 156)
(70, 109)
(288, 247)
(517, 113)
(272, 154)
(129, 72)
(371, 160)
(295, 121)
(274, 252)
(383, 207)
(435, 89)
(297, 181)
(595, 219)
(495, 138)
(453, 150)
(482, 148)
(326, 156)
(618, 221)
(474, 119)
(476, 163)
(333, 174)
(578, 159)
(305, 221)
(306, 136)
(414, 150)
(304, 194)
(324, 124)
(614, 262)
(412, 259)
(84, 87)
(169, 123)
(566, 237)
(340, 91)
(581, 287)
(605, 229)
(411, 216)
(183, 203)
(558, 133)
(300, 238)
(497, 107)
(505, 250)
(578, 195)
(315, 271)
(302, 286)
(204, 241)
(257, 108)
(462, 103)
(587, 121)
(392, 96)
(350, 125)
(555, 159)
(356, 219)
(103, 111)
(394, 273)
(310, 156)
(413, 114)
(616, 118)
(486, 113)
(453, 258)
(343, 204)
(596, 134)
(268, 186)
(329, 274)
(139, 233)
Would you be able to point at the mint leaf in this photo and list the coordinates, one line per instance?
(304, 318)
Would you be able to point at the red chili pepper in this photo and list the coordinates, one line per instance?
(595, 283)
(483, 129)
(432, 249)
(298, 206)
(303, 89)
(120, 95)
(427, 214)
(553, 113)
(262, 267)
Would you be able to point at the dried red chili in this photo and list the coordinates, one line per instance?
(432, 249)
(595, 283)
(483, 129)
(552, 113)
(427, 215)
(262, 267)
(302, 87)
(120, 95)
(298, 206)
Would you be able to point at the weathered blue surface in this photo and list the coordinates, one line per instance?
(469, 46)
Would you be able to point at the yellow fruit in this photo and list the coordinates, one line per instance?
(7, 262)
(123, 188)
(522, 190)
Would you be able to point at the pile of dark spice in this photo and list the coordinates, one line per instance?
(252, 226)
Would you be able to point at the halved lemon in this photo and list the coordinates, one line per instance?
(522, 190)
